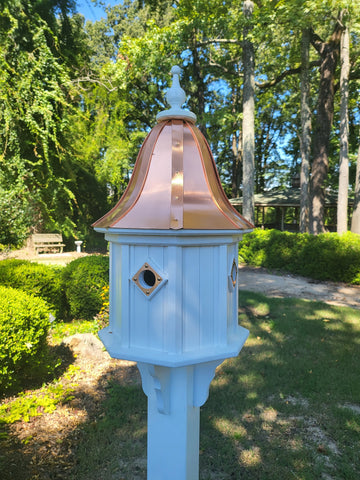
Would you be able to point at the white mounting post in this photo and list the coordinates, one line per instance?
(175, 395)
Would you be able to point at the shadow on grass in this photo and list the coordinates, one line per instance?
(106, 441)
(274, 412)
(113, 445)
(52, 365)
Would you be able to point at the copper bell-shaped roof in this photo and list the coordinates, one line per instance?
(175, 184)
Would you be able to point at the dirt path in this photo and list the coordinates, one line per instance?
(259, 280)
(47, 258)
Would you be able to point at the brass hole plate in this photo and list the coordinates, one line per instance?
(147, 279)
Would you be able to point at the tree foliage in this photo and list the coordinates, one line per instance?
(77, 98)
(40, 179)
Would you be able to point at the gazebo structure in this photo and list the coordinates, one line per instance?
(280, 209)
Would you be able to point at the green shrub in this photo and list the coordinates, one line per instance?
(83, 280)
(40, 280)
(24, 325)
(328, 256)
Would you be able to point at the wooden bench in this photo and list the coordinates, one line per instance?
(47, 242)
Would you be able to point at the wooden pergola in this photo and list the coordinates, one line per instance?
(280, 209)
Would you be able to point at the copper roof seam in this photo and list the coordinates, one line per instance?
(169, 190)
(177, 175)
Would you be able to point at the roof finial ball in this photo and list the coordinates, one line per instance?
(176, 97)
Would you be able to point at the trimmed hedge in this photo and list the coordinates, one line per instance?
(24, 325)
(328, 256)
(43, 281)
(83, 280)
(72, 292)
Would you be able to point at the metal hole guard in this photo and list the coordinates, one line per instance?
(147, 279)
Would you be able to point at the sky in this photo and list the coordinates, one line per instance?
(92, 12)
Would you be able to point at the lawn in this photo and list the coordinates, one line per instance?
(288, 407)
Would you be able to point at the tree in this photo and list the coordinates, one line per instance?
(329, 54)
(122, 89)
(342, 206)
(91, 92)
(248, 126)
(205, 35)
(291, 18)
(355, 221)
(38, 173)
(305, 137)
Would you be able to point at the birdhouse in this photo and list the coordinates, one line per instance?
(174, 262)
(173, 251)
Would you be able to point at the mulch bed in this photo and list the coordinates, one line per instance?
(44, 447)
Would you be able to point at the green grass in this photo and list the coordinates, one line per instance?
(31, 404)
(286, 408)
(114, 445)
(60, 330)
(280, 410)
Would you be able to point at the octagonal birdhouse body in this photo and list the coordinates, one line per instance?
(173, 297)
(173, 251)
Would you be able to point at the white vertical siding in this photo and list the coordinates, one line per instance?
(173, 293)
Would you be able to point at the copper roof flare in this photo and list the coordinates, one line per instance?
(175, 184)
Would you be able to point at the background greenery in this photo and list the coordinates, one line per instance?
(79, 291)
(77, 99)
(35, 296)
(328, 256)
(24, 325)
(83, 280)
(43, 281)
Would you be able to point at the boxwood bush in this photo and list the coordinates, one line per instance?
(83, 280)
(41, 280)
(328, 256)
(24, 324)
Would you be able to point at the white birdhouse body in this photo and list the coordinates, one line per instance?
(173, 297)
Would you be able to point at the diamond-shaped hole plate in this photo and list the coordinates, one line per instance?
(147, 279)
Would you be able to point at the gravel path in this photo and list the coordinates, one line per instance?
(259, 280)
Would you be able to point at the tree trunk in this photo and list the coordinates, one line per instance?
(355, 221)
(305, 138)
(236, 165)
(198, 81)
(248, 124)
(329, 53)
(237, 151)
(342, 206)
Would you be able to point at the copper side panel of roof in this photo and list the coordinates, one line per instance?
(175, 185)
(221, 215)
(136, 183)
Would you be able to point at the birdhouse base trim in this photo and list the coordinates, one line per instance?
(113, 345)
(170, 237)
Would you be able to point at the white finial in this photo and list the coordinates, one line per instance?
(176, 97)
